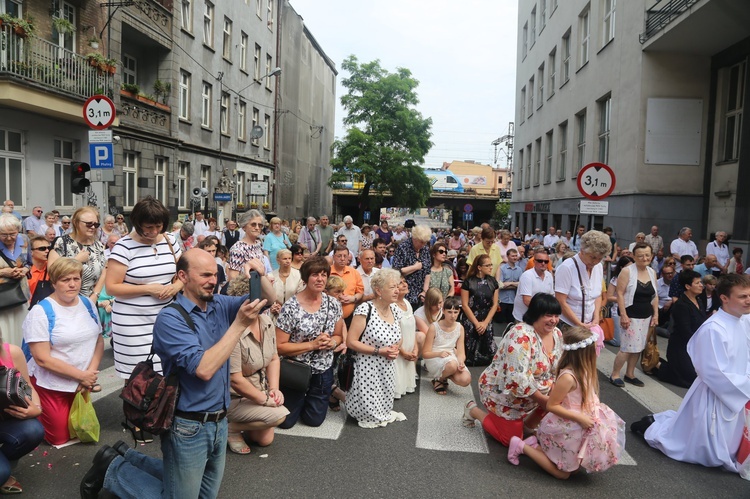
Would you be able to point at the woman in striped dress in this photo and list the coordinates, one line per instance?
(140, 271)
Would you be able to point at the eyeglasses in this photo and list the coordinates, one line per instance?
(120, 218)
(486, 265)
(43, 248)
(7, 235)
(91, 224)
(537, 260)
(342, 241)
(255, 224)
(66, 222)
(442, 252)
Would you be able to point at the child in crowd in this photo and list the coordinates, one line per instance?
(443, 351)
(335, 287)
(431, 311)
(408, 352)
(579, 431)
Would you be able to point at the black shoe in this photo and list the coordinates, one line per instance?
(121, 447)
(640, 427)
(93, 480)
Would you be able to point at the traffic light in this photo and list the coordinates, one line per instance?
(78, 180)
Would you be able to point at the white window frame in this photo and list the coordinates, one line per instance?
(537, 161)
(185, 79)
(205, 176)
(267, 131)
(580, 142)
(532, 28)
(584, 29)
(542, 14)
(527, 175)
(241, 188)
(256, 62)
(63, 196)
(565, 62)
(242, 121)
(608, 21)
(16, 156)
(562, 157)
(258, 8)
(129, 69)
(206, 102)
(256, 120)
(732, 120)
(224, 113)
(161, 167)
(244, 39)
(540, 89)
(531, 96)
(269, 22)
(519, 170)
(183, 184)
(525, 40)
(552, 73)
(548, 157)
(187, 15)
(226, 48)
(130, 161)
(605, 120)
(523, 104)
(67, 11)
(269, 68)
(18, 5)
(208, 24)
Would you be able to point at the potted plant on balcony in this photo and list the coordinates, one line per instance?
(163, 90)
(63, 26)
(21, 27)
(266, 206)
(94, 42)
(130, 89)
(254, 205)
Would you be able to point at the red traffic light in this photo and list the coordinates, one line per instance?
(78, 180)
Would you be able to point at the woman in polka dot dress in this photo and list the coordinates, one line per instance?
(375, 336)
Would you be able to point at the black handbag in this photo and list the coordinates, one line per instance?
(11, 292)
(14, 389)
(43, 290)
(294, 375)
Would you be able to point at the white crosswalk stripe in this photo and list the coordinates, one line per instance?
(329, 430)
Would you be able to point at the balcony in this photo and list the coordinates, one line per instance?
(38, 63)
(699, 27)
(141, 113)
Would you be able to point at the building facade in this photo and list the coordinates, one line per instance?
(652, 89)
(479, 178)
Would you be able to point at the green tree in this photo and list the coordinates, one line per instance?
(386, 138)
(500, 215)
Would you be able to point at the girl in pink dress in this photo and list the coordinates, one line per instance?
(579, 431)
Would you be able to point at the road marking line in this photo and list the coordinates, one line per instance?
(626, 459)
(439, 426)
(329, 430)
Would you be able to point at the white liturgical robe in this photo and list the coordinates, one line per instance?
(707, 428)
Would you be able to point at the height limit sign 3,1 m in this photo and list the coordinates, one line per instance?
(596, 181)
(99, 112)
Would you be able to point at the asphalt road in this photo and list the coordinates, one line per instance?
(429, 455)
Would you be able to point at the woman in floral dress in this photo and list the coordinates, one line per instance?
(515, 387)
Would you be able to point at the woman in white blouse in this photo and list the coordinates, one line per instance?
(287, 281)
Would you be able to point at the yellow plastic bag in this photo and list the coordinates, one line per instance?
(83, 422)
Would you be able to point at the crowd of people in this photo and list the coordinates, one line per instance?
(393, 302)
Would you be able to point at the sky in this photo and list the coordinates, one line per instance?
(462, 52)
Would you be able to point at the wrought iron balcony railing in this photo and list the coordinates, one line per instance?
(661, 14)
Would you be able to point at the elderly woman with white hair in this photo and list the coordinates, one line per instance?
(13, 273)
(249, 249)
(639, 238)
(578, 282)
(375, 336)
(412, 259)
(108, 229)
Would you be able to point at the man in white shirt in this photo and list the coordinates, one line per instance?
(367, 269)
(551, 239)
(200, 225)
(719, 249)
(400, 234)
(683, 246)
(353, 235)
(535, 280)
(341, 240)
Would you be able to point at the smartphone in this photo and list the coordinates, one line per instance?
(254, 285)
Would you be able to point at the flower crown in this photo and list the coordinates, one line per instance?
(581, 344)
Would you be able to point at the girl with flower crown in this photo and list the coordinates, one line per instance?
(579, 431)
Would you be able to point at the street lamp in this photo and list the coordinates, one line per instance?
(275, 72)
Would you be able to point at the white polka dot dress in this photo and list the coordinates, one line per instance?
(370, 399)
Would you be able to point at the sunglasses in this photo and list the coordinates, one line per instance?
(120, 218)
(91, 224)
(537, 260)
(442, 252)
(43, 248)
(65, 223)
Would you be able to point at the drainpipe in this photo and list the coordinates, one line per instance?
(277, 110)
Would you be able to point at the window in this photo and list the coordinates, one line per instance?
(580, 141)
(258, 7)
(205, 176)
(540, 93)
(519, 170)
(64, 10)
(548, 159)
(605, 113)
(733, 115)
(269, 64)
(206, 107)
(531, 96)
(537, 160)
(130, 179)
(242, 121)
(552, 72)
(184, 95)
(532, 28)
(553, 7)
(525, 40)
(129, 69)
(11, 165)
(11, 7)
(565, 47)
(240, 187)
(584, 36)
(270, 14)
(267, 131)
(187, 15)
(226, 50)
(256, 62)
(523, 104)
(160, 179)
(562, 137)
(63, 157)
(243, 51)
(542, 14)
(224, 113)
(256, 120)
(527, 175)
(608, 27)
(208, 24)
(183, 172)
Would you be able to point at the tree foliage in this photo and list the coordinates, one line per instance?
(500, 215)
(386, 138)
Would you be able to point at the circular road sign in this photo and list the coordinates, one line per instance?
(596, 181)
(99, 112)
(468, 208)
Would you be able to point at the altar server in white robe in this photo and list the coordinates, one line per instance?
(707, 428)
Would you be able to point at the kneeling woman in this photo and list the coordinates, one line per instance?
(375, 335)
(71, 363)
(444, 354)
(515, 386)
(257, 404)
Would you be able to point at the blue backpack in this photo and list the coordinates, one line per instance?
(50, 313)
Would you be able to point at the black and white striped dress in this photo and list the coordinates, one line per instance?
(133, 317)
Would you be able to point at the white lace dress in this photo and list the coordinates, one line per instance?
(406, 371)
(445, 341)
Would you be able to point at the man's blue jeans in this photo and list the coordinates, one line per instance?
(193, 466)
(18, 437)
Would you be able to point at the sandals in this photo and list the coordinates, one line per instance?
(468, 420)
(334, 404)
(238, 445)
(140, 435)
(11, 486)
(440, 387)
(96, 388)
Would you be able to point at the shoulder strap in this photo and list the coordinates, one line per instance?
(50, 313)
(369, 312)
(184, 315)
(10, 263)
(583, 292)
(94, 315)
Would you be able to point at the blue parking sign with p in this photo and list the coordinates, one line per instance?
(101, 156)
